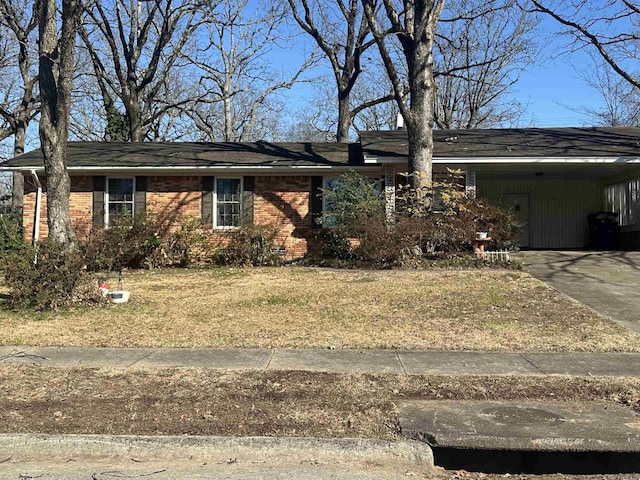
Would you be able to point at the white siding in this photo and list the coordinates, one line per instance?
(558, 207)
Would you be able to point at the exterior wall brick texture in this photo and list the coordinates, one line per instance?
(282, 201)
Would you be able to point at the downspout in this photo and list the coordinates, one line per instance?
(36, 221)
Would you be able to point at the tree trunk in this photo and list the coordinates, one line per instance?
(56, 80)
(420, 124)
(17, 192)
(134, 114)
(344, 117)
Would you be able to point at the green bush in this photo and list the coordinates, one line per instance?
(11, 236)
(127, 243)
(351, 197)
(251, 245)
(49, 277)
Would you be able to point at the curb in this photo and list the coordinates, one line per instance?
(42, 447)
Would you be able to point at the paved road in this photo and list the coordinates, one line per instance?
(608, 282)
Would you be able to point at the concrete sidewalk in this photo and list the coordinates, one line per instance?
(336, 361)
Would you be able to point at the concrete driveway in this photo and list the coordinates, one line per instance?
(608, 282)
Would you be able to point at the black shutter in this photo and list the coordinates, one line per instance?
(140, 198)
(99, 185)
(207, 200)
(248, 187)
(315, 201)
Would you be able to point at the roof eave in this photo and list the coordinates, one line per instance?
(186, 170)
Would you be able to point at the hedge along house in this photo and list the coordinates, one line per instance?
(552, 178)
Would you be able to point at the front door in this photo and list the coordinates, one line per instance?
(519, 204)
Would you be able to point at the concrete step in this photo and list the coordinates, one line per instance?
(531, 426)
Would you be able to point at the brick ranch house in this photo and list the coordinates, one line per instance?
(553, 178)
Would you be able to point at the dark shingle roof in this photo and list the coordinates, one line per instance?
(190, 155)
(517, 142)
(493, 144)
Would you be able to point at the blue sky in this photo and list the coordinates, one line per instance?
(553, 86)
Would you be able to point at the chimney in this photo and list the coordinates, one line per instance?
(399, 122)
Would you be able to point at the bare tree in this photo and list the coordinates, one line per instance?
(18, 105)
(609, 27)
(621, 100)
(341, 31)
(56, 67)
(241, 86)
(481, 48)
(134, 46)
(413, 23)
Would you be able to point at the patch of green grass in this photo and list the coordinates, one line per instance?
(271, 300)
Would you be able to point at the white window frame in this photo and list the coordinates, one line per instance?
(215, 204)
(106, 197)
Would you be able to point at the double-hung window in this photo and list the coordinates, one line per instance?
(119, 198)
(227, 202)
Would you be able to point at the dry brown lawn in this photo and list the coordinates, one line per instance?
(321, 308)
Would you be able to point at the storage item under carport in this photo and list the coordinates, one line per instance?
(603, 230)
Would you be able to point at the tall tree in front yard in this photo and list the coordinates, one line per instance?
(56, 68)
(341, 31)
(412, 23)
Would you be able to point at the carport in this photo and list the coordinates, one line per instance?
(553, 199)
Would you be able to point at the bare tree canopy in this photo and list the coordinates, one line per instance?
(134, 47)
(481, 48)
(341, 31)
(240, 86)
(18, 81)
(413, 24)
(609, 27)
(621, 100)
(56, 67)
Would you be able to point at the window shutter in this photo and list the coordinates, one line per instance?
(207, 200)
(99, 184)
(140, 196)
(315, 201)
(248, 187)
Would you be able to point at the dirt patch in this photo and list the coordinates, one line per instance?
(317, 308)
(209, 402)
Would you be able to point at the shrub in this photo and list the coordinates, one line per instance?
(49, 277)
(125, 244)
(147, 241)
(437, 222)
(11, 236)
(191, 244)
(351, 197)
(251, 245)
(336, 244)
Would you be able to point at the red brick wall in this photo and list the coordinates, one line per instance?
(279, 200)
(174, 197)
(284, 202)
(80, 204)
